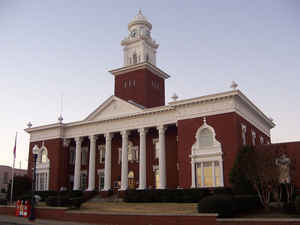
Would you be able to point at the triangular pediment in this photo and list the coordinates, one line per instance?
(113, 107)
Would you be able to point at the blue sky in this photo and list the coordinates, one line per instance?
(54, 48)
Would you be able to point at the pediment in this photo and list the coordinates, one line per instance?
(113, 107)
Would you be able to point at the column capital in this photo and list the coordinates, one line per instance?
(108, 136)
(66, 142)
(78, 139)
(125, 132)
(143, 130)
(161, 128)
(93, 138)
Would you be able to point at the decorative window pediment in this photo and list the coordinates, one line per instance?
(207, 162)
(206, 142)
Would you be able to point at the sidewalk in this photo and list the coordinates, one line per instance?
(13, 220)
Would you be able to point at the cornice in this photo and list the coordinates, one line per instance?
(144, 65)
(226, 102)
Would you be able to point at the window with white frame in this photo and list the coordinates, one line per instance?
(208, 174)
(83, 180)
(132, 154)
(244, 130)
(156, 177)
(253, 137)
(72, 155)
(156, 147)
(42, 170)
(41, 181)
(101, 179)
(84, 155)
(101, 149)
(261, 140)
(207, 162)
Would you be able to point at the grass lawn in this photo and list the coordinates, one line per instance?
(145, 208)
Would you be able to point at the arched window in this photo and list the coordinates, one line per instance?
(43, 156)
(207, 162)
(206, 138)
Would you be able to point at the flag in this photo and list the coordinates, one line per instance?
(15, 148)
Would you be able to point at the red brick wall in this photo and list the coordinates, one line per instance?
(57, 155)
(143, 92)
(228, 132)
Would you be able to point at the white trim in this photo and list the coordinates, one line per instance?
(192, 108)
(209, 152)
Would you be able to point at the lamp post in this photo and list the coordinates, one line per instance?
(35, 152)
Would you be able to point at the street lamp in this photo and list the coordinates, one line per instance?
(35, 152)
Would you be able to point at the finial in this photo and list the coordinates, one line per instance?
(234, 85)
(204, 120)
(29, 124)
(174, 97)
(60, 118)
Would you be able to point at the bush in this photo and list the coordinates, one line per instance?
(297, 203)
(3, 201)
(66, 199)
(221, 204)
(175, 195)
(244, 203)
(240, 184)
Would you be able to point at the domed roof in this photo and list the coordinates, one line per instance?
(140, 19)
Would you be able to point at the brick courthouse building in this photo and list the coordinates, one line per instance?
(135, 140)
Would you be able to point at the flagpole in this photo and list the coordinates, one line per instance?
(13, 170)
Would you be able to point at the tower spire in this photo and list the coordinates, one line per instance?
(139, 46)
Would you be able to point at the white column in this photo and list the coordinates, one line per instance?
(193, 174)
(124, 172)
(92, 163)
(107, 167)
(142, 163)
(77, 164)
(213, 173)
(162, 157)
(221, 173)
(202, 175)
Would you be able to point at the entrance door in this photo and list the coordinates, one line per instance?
(131, 180)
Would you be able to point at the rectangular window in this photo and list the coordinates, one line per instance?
(198, 175)
(157, 180)
(72, 155)
(83, 181)
(101, 180)
(84, 154)
(207, 173)
(101, 149)
(156, 147)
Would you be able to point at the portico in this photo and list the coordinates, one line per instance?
(142, 162)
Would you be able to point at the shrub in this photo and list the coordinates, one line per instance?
(297, 203)
(3, 201)
(66, 199)
(221, 204)
(175, 195)
(244, 203)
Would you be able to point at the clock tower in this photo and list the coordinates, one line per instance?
(139, 45)
(139, 81)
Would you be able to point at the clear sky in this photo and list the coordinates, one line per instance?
(51, 48)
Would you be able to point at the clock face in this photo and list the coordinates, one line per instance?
(133, 33)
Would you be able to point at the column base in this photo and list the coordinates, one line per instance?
(141, 188)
